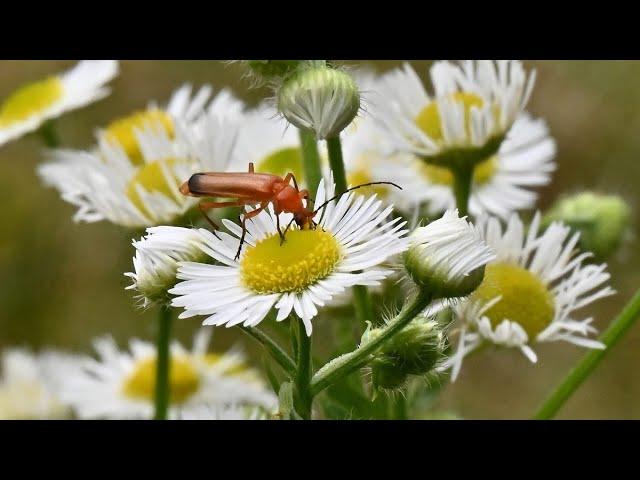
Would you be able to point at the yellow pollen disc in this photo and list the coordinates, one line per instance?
(123, 130)
(429, 118)
(152, 178)
(360, 176)
(184, 380)
(525, 299)
(483, 172)
(305, 257)
(238, 369)
(30, 100)
(283, 161)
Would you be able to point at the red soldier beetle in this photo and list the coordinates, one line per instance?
(251, 188)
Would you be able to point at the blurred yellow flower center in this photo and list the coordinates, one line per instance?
(305, 257)
(154, 177)
(361, 175)
(483, 172)
(184, 380)
(30, 100)
(525, 299)
(428, 120)
(283, 161)
(239, 368)
(123, 131)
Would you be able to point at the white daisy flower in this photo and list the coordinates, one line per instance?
(110, 184)
(157, 258)
(31, 105)
(474, 106)
(501, 183)
(447, 256)
(530, 292)
(26, 391)
(352, 239)
(319, 99)
(121, 384)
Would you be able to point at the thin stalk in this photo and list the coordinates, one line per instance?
(310, 161)
(163, 364)
(590, 361)
(362, 299)
(49, 134)
(462, 178)
(304, 397)
(336, 163)
(349, 362)
(275, 350)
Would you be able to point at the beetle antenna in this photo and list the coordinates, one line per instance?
(351, 189)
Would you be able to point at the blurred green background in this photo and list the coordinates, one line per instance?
(62, 284)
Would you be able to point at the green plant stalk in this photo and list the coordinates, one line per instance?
(349, 362)
(277, 353)
(303, 395)
(362, 299)
(590, 361)
(49, 134)
(310, 161)
(462, 179)
(163, 363)
(336, 163)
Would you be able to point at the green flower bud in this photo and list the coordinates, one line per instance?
(602, 220)
(319, 99)
(416, 350)
(447, 257)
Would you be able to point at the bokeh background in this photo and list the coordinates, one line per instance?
(62, 284)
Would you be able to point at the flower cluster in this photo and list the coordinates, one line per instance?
(349, 191)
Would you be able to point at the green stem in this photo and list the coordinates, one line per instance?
(336, 163)
(362, 299)
(362, 304)
(349, 362)
(304, 397)
(310, 161)
(163, 366)
(462, 178)
(275, 350)
(49, 134)
(590, 361)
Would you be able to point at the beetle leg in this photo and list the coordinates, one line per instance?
(248, 216)
(290, 176)
(279, 230)
(204, 206)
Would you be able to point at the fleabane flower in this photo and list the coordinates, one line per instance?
(31, 105)
(319, 99)
(530, 292)
(231, 412)
(26, 391)
(349, 245)
(447, 257)
(120, 384)
(474, 105)
(156, 261)
(502, 183)
(114, 184)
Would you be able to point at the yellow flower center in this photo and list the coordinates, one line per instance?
(525, 299)
(283, 161)
(305, 257)
(30, 100)
(123, 131)
(483, 172)
(153, 179)
(184, 380)
(361, 175)
(429, 118)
